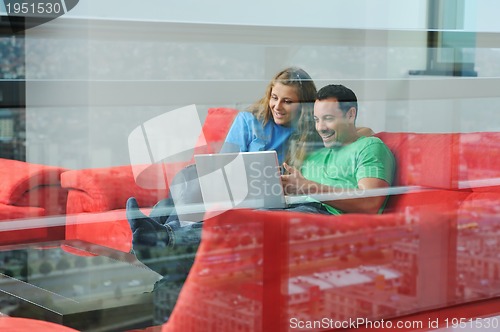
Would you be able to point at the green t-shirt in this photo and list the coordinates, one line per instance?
(343, 166)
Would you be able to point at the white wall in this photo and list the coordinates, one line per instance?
(90, 83)
(482, 15)
(363, 14)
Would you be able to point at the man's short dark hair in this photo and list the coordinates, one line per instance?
(345, 96)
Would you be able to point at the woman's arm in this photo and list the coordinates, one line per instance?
(365, 131)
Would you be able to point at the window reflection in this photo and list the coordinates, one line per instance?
(435, 248)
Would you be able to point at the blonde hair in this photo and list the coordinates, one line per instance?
(304, 123)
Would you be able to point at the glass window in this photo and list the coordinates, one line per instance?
(113, 101)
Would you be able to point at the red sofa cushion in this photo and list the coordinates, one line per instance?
(215, 129)
(447, 161)
(428, 160)
(479, 158)
(159, 175)
(436, 200)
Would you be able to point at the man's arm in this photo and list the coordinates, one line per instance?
(363, 204)
(295, 184)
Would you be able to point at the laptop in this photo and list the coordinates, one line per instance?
(242, 180)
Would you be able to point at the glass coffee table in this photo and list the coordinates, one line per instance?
(77, 284)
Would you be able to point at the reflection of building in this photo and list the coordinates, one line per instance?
(13, 264)
(478, 165)
(368, 292)
(164, 300)
(405, 278)
(478, 263)
(12, 58)
(405, 261)
(217, 310)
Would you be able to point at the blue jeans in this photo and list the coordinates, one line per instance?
(312, 207)
(190, 234)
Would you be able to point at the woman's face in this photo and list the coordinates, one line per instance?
(284, 104)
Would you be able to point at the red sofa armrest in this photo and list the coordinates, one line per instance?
(247, 258)
(8, 212)
(105, 189)
(23, 224)
(28, 324)
(19, 180)
(274, 266)
(96, 204)
(52, 198)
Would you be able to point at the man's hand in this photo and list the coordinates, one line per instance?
(294, 183)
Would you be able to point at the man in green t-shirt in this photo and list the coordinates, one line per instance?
(348, 164)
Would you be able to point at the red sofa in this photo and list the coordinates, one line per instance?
(432, 248)
(412, 258)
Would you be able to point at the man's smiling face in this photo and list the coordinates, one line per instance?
(333, 125)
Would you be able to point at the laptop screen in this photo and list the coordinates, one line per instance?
(240, 180)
